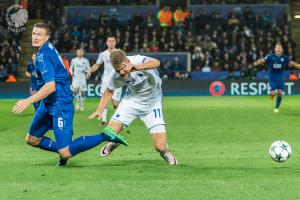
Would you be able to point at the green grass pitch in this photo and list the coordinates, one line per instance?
(221, 144)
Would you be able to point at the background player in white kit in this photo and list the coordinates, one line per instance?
(79, 66)
(108, 70)
(143, 99)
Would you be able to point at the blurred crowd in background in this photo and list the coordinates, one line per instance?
(232, 1)
(9, 49)
(216, 42)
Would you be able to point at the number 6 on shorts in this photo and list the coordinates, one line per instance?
(60, 122)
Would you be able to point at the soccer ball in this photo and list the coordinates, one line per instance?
(280, 151)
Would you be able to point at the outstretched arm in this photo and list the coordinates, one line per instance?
(72, 68)
(28, 74)
(91, 70)
(94, 68)
(150, 64)
(45, 91)
(106, 98)
(259, 62)
(297, 65)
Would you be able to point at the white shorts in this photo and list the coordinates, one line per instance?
(116, 95)
(128, 111)
(79, 83)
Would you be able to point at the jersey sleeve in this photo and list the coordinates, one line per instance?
(267, 58)
(46, 68)
(115, 82)
(72, 66)
(87, 64)
(153, 76)
(139, 59)
(153, 72)
(100, 59)
(287, 59)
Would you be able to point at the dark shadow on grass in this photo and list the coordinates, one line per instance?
(232, 170)
(143, 165)
(22, 115)
(72, 163)
(153, 166)
(290, 113)
(50, 163)
(131, 163)
(41, 164)
(122, 163)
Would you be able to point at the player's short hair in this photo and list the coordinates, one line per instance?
(117, 56)
(81, 49)
(111, 36)
(43, 26)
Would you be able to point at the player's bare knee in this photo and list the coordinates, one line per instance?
(115, 104)
(32, 141)
(75, 90)
(65, 153)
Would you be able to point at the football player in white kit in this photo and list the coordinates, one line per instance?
(143, 99)
(108, 70)
(79, 66)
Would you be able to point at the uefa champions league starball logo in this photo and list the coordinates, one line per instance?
(16, 18)
(217, 88)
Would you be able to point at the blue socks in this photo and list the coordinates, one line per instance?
(48, 145)
(84, 143)
(80, 144)
(278, 101)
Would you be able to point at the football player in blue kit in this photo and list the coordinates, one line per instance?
(56, 110)
(277, 63)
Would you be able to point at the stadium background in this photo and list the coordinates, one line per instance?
(202, 41)
(221, 143)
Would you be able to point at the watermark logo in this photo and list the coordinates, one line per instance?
(217, 88)
(16, 18)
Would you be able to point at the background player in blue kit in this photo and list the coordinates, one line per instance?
(56, 110)
(277, 63)
(31, 73)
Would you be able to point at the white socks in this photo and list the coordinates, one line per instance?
(104, 115)
(81, 100)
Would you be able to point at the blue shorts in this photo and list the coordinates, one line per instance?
(276, 85)
(57, 117)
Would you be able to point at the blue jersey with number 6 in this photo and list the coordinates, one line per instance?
(56, 111)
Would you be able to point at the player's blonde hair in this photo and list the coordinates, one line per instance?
(117, 56)
(81, 49)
